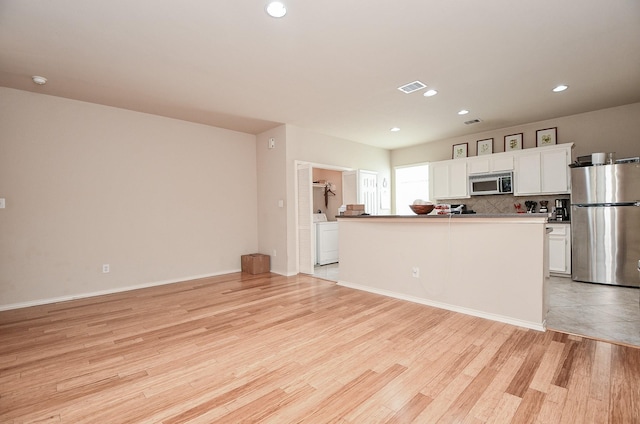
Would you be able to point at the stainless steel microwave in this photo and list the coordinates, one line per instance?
(495, 183)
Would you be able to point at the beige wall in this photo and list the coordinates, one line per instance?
(380, 254)
(272, 188)
(158, 199)
(608, 130)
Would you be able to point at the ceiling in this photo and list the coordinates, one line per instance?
(330, 66)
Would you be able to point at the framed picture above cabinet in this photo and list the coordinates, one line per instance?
(546, 137)
(460, 150)
(513, 142)
(484, 147)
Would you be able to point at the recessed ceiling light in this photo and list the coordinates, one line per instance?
(276, 9)
(394, 129)
(463, 112)
(39, 80)
(430, 93)
(560, 88)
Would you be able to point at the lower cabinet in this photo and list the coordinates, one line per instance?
(560, 248)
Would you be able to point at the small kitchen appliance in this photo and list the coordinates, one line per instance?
(543, 206)
(562, 209)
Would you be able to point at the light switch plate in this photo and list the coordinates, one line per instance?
(2, 204)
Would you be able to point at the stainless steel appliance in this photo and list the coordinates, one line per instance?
(495, 183)
(605, 221)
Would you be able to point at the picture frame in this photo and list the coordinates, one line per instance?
(513, 142)
(547, 137)
(460, 150)
(484, 147)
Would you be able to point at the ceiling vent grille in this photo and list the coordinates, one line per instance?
(471, 122)
(411, 87)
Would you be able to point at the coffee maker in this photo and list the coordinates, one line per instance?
(562, 209)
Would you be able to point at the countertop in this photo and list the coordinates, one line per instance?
(458, 216)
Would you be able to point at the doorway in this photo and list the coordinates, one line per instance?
(318, 187)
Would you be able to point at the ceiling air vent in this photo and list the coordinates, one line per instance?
(411, 87)
(473, 121)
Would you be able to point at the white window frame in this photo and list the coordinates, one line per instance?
(404, 194)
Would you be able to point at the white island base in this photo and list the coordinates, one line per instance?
(492, 267)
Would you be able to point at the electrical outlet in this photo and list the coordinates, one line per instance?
(415, 272)
(105, 268)
(275, 253)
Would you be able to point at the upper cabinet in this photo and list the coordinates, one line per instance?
(496, 162)
(544, 170)
(449, 179)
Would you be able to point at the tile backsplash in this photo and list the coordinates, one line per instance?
(503, 203)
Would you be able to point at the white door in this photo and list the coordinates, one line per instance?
(305, 218)
(361, 187)
(368, 191)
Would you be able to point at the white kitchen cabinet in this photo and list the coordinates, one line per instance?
(527, 174)
(497, 162)
(449, 179)
(560, 248)
(502, 162)
(555, 175)
(543, 170)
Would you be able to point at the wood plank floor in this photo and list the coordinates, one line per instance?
(273, 349)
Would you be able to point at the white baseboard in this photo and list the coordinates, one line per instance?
(110, 291)
(454, 308)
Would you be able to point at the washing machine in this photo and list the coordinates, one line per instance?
(326, 239)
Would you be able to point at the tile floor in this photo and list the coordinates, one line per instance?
(326, 272)
(594, 310)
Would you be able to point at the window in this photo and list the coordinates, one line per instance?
(412, 182)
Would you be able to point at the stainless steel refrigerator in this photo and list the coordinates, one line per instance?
(605, 223)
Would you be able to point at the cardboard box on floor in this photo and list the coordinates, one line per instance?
(255, 263)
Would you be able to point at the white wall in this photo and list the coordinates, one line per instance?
(158, 199)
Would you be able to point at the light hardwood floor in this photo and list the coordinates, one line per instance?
(274, 349)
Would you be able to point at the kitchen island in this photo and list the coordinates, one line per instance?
(491, 266)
